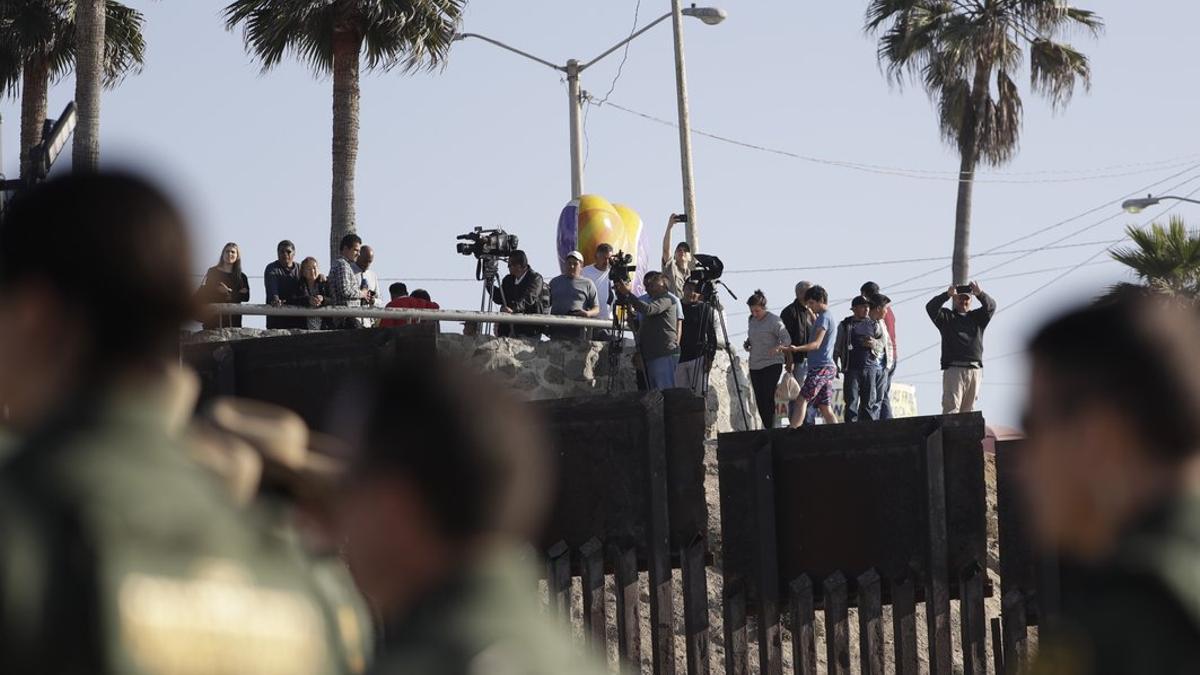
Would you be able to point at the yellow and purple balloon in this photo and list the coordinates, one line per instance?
(591, 220)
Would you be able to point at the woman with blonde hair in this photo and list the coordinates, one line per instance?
(224, 283)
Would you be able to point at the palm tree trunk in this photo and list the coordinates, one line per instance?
(35, 79)
(961, 257)
(89, 74)
(346, 47)
(969, 158)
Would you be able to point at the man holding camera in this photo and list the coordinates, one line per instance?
(520, 292)
(679, 267)
(658, 334)
(962, 344)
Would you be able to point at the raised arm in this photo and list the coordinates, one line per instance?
(988, 308)
(666, 251)
(934, 307)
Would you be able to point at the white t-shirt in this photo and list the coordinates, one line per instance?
(603, 289)
(372, 280)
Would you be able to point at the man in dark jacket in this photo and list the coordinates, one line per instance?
(962, 344)
(282, 279)
(520, 292)
(698, 343)
(798, 320)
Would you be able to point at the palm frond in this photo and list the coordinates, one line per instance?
(945, 43)
(1055, 70)
(1166, 257)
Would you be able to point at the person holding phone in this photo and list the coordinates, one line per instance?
(678, 267)
(962, 331)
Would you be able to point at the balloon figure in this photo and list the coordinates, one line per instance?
(591, 220)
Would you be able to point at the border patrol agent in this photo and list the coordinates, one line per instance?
(118, 553)
(449, 475)
(1111, 466)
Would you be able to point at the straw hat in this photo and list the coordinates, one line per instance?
(305, 464)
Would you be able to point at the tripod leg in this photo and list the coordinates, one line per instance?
(733, 366)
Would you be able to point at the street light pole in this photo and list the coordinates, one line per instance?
(685, 129)
(1139, 205)
(709, 15)
(576, 122)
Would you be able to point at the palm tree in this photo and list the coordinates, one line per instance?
(1166, 259)
(333, 37)
(38, 45)
(90, 19)
(959, 50)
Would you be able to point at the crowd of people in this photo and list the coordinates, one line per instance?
(674, 325)
(141, 535)
(352, 282)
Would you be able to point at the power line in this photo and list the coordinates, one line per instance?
(587, 141)
(905, 261)
(924, 174)
(1050, 283)
(1061, 223)
(1077, 233)
(929, 289)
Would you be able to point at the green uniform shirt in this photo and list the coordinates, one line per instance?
(1140, 611)
(119, 555)
(487, 620)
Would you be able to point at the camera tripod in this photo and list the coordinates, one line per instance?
(709, 296)
(487, 270)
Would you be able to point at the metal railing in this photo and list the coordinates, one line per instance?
(452, 315)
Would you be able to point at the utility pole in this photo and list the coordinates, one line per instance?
(685, 130)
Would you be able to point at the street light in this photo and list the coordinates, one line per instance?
(1139, 205)
(709, 15)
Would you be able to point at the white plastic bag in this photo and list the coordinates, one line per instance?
(788, 388)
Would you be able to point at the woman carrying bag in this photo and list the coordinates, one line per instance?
(766, 336)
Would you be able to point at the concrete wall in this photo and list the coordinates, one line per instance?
(563, 369)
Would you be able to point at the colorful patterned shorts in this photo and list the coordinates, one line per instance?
(818, 385)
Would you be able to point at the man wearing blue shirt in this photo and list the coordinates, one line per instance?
(818, 383)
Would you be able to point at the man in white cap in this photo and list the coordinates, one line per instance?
(572, 294)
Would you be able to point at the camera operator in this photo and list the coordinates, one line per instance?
(697, 342)
(520, 292)
(658, 333)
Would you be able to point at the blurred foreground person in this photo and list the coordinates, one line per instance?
(1111, 468)
(289, 477)
(450, 477)
(118, 554)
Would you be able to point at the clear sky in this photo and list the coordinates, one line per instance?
(484, 142)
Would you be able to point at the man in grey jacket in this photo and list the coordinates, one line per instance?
(658, 335)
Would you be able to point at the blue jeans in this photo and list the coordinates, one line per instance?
(862, 387)
(885, 395)
(800, 371)
(660, 372)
